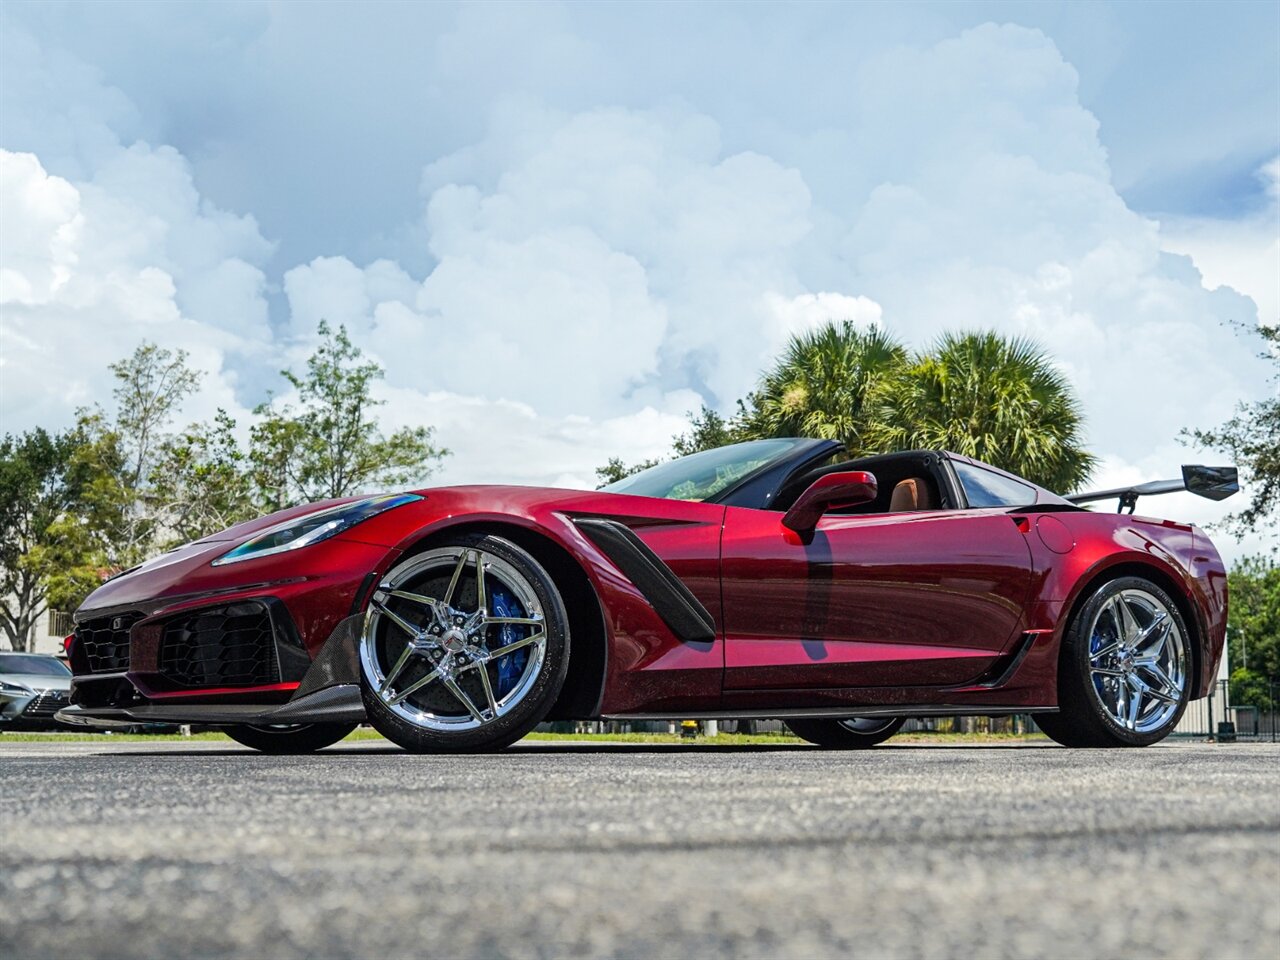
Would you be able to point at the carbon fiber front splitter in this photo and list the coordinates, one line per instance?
(335, 704)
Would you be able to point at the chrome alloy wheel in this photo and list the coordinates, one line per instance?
(1137, 660)
(453, 640)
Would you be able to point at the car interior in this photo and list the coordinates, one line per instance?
(906, 482)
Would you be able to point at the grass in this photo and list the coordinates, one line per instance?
(364, 733)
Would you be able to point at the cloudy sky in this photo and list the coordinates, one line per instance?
(560, 227)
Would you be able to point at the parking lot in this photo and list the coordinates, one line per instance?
(154, 850)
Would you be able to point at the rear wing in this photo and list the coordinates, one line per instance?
(1215, 483)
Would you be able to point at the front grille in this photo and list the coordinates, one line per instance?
(45, 705)
(230, 646)
(104, 641)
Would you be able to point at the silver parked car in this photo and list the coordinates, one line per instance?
(33, 688)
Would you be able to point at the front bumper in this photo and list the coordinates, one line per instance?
(230, 655)
(31, 710)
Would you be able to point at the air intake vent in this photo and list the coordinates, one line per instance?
(104, 642)
(231, 646)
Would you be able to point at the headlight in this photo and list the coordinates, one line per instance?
(14, 689)
(298, 532)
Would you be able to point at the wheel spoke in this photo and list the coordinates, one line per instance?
(1127, 625)
(482, 599)
(395, 670)
(413, 687)
(412, 597)
(515, 645)
(1106, 671)
(1155, 671)
(453, 581)
(1160, 627)
(398, 620)
(1121, 709)
(488, 689)
(1135, 702)
(1109, 648)
(458, 692)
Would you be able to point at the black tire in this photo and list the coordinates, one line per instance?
(1082, 720)
(290, 738)
(495, 732)
(840, 735)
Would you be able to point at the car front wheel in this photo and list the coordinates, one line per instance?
(291, 737)
(465, 647)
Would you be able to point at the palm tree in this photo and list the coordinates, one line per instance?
(996, 399)
(824, 384)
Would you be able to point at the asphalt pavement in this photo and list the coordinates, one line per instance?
(169, 850)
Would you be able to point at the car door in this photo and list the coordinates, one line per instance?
(902, 599)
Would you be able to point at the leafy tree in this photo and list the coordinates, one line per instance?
(997, 399)
(827, 385)
(150, 385)
(37, 489)
(201, 483)
(615, 469)
(1253, 638)
(329, 444)
(119, 461)
(1252, 439)
(108, 531)
(707, 430)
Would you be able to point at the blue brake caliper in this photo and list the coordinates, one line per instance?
(1096, 642)
(510, 667)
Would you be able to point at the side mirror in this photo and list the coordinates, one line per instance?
(830, 492)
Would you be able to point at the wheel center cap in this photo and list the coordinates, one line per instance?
(455, 641)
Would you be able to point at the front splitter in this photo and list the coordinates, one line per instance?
(336, 704)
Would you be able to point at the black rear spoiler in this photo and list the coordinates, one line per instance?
(1215, 483)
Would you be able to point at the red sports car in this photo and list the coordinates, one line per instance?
(765, 579)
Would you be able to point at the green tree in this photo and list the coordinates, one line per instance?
(1252, 439)
(329, 443)
(201, 483)
(150, 385)
(38, 488)
(1253, 633)
(1000, 400)
(615, 469)
(120, 460)
(707, 430)
(828, 384)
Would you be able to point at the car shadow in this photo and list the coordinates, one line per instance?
(581, 748)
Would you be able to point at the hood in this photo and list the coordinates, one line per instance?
(37, 682)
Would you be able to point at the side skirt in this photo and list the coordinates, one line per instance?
(837, 713)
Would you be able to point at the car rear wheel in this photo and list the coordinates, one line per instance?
(465, 647)
(1124, 676)
(290, 737)
(851, 733)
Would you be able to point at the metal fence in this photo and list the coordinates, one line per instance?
(1216, 717)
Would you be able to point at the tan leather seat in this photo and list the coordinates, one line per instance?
(910, 494)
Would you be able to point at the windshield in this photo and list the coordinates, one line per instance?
(33, 665)
(701, 476)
